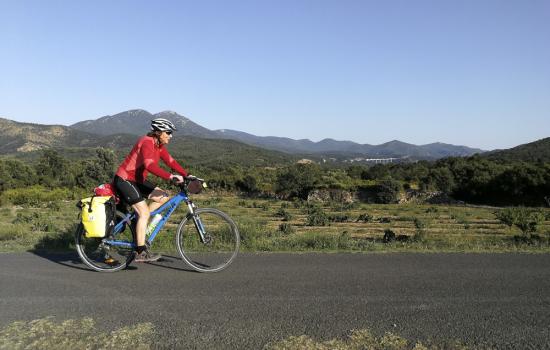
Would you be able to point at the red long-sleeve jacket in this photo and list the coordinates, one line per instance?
(144, 159)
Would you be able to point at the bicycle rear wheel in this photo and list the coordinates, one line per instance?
(221, 243)
(97, 254)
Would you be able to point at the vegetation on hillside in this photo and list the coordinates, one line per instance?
(538, 151)
(473, 180)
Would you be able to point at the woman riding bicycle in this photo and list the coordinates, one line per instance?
(131, 179)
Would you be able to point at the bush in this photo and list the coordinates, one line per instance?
(252, 231)
(39, 222)
(507, 216)
(285, 215)
(432, 210)
(285, 228)
(345, 241)
(34, 195)
(314, 240)
(420, 226)
(528, 220)
(389, 236)
(365, 218)
(298, 180)
(387, 191)
(317, 217)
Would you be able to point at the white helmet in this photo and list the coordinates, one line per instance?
(161, 124)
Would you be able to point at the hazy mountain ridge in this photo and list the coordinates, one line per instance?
(395, 148)
(25, 140)
(137, 122)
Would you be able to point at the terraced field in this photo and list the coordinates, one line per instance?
(274, 225)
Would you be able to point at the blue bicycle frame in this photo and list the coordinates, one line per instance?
(169, 207)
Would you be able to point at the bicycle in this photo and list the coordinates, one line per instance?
(207, 239)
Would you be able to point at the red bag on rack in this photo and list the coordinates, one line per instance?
(106, 190)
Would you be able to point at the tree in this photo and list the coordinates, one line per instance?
(297, 180)
(248, 184)
(440, 178)
(14, 174)
(387, 191)
(53, 170)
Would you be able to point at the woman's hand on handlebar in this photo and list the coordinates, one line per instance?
(193, 177)
(176, 178)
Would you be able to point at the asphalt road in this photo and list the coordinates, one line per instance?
(496, 300)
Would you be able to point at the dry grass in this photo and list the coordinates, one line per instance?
(46, 333)
(359, 340)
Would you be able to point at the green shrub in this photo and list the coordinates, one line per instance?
(507, 216)
(389, 236)
(528, 220)
(285, 228)
(317, 217)
(285, 215)
(366, 217)
(432, 210)
(420, 227)
(345, 241)
(34, 195)
(39, 222)
(252, 231)
(315, 240)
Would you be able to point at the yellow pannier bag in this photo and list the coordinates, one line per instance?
(98, 215)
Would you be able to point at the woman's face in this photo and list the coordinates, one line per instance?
(165, 137)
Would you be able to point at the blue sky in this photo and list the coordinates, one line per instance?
(468, 72)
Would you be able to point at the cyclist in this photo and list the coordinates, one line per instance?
(131, 179)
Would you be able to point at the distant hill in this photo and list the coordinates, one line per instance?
(530, 152)
(393, 148)
(24, 140)
(25, 137)
(138, 122)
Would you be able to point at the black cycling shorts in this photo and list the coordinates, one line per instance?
(132, 192)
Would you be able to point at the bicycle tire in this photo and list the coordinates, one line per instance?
(96, 255)
(219, 252)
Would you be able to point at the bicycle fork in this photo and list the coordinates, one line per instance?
(205, 238)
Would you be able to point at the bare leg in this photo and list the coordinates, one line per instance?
(142, 211)
(158, 197)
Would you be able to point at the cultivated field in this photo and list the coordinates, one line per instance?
(274, 225)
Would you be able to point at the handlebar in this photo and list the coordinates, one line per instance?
(192, 177)
(191, 184)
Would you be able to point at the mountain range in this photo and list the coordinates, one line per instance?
(202, 145)
(137, 122)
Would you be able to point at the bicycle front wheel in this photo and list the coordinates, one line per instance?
(216, 248)
(101, 256)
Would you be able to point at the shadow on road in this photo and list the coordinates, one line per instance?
(60, 249)
(168, 260)
(69, 259)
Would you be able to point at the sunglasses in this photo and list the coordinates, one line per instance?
(168, 132)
